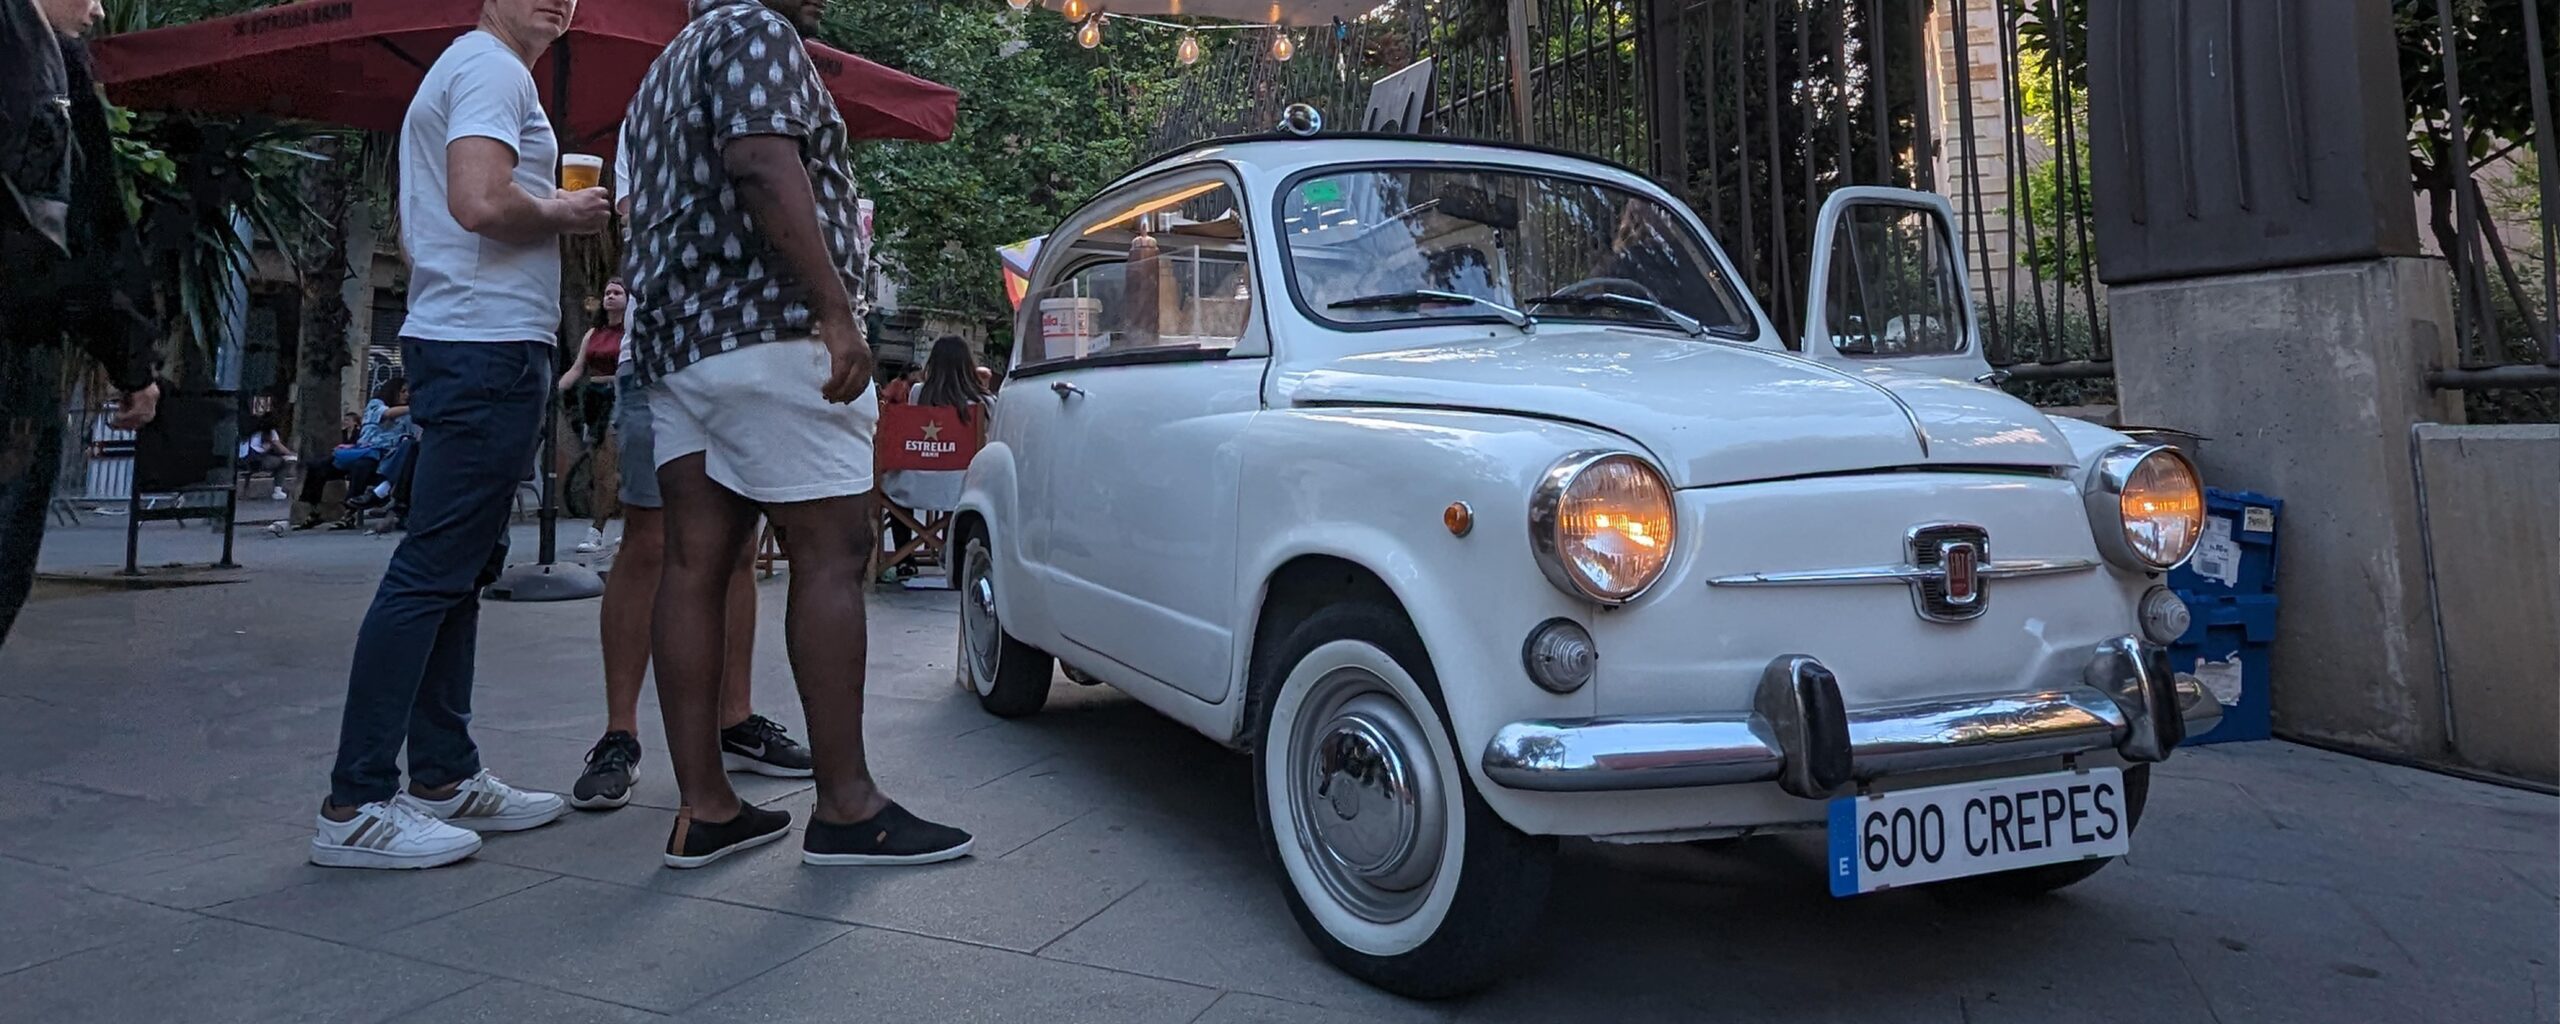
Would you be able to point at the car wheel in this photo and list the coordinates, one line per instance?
(1011, 678)
(1390, 861)
(2044, 878)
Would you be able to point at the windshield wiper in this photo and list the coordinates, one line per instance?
(1616, 300)
(1426, 296)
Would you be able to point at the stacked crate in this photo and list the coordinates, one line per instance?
(2230, 587)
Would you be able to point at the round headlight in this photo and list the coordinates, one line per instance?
(2146, 506)
(1601, 525)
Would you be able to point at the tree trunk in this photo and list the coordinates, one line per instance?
(325, 313)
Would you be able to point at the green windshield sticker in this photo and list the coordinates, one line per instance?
(1321, 190)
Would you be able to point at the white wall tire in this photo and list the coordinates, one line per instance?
(1391, 864)
(1011, 678)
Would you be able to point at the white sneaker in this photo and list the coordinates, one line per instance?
(394, 833)
(594, 541)
(484, 804)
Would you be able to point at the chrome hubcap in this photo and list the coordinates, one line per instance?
(1366, 797)
(979, 631)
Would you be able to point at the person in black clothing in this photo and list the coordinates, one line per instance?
(74, 262)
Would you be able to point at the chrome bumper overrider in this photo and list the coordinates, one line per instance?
(1800, 735)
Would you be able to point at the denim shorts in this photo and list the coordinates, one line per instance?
(639, 439)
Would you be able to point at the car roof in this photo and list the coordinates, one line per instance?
(1283, 154)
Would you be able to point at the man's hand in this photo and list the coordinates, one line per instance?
(138, 408)
(848, 357)
(584, 212)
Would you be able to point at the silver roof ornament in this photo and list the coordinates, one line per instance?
(1301, 120)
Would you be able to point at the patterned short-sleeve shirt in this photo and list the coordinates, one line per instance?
(703, 280)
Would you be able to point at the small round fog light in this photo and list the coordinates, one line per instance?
(1560, 655)
(2164, 616)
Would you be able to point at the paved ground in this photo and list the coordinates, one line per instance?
(161, 753)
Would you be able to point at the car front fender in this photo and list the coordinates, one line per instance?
(1372, 487)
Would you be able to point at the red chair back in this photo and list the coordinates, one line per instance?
(926, 437)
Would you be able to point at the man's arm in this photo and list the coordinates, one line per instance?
(773, 185)
(481, 193)
(106, 300)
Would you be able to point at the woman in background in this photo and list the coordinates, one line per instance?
(587, 389)
(952, 381)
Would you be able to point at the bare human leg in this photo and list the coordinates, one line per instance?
(738, 656)
(830, 541)
(630, 599)
(706, 524)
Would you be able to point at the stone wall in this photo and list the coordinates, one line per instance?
(2492, 516)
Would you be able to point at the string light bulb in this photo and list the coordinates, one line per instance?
(1090, 35)
(1074, 10)
(1188, 51)
(1281, 48)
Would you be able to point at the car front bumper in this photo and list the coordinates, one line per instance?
(1800, 735)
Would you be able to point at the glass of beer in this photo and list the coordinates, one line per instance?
(580, 171)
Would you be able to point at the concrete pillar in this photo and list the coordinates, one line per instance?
(2307, 383)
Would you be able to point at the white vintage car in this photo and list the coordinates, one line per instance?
(1461, 488)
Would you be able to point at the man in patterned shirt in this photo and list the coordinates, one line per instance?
(742, 265)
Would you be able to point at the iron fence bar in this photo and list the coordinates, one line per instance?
(1837, 109)
(1971, 176)
(2024, 198)
(1801, 100)
(2548, 162)
(2067, 108)
(1923, 146)
(1879, 88)
(2075, 369)
(2469, 298)
(1778, 300)
(2491, 378)
(1742, 189)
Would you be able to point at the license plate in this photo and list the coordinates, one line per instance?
(1890, 840)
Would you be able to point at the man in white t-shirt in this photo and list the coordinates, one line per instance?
(481, 222)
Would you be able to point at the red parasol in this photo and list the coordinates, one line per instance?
(358, 62)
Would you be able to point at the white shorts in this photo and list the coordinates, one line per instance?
(764, 430)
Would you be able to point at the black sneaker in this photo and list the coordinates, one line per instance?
(892, 836)
(760, 745)
(613, 767)
(696, 843)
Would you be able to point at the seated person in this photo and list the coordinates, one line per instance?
(264, 451)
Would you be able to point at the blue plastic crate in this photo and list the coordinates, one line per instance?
(2237, 554)
(2227, 649)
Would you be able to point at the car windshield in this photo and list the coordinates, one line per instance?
(1387, 245)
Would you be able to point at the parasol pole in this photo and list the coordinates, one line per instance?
(545, 579)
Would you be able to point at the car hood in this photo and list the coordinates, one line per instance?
(1711, 412)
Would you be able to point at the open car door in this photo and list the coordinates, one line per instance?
(1888, 286)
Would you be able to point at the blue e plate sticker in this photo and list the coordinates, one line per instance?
(1844, 846)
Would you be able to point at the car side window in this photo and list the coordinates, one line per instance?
(1167, 270)
(1893, 288)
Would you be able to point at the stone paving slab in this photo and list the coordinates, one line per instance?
(161, 755)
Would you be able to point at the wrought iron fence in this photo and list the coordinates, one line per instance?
(2477, 75)
(1753, 111)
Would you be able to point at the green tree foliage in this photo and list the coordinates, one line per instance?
(1044, 123)
(192, 183)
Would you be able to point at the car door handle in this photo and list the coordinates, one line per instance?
(1065, 389)
(1994, 378)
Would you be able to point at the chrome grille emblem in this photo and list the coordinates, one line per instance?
(1946, 565)
(1949, 557)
